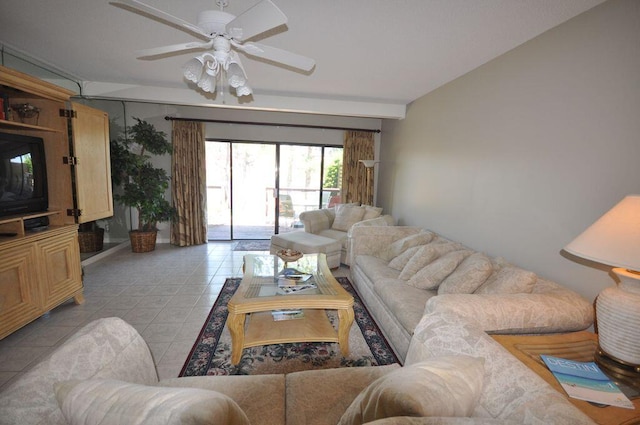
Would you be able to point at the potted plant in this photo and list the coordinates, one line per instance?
(142, 185)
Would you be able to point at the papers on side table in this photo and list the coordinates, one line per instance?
(585, 381)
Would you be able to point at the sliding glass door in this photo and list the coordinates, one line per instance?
(257, 189)
(253, 179)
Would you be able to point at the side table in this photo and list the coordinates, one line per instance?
(578, 346)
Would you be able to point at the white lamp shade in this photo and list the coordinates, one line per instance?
(244, 90)
(614, 239)
(369, 163)
(192, 70)
(208, 82)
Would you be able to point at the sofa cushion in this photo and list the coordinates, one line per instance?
(509, 280)
(371, 212)
(399, 262)
(468, 276)
(375, 268)
(114, 402)
(445, 386)
(401, 245)
(406, 302)
(320, 397)
(426, 255)
(347, 216)
(430, 276)
(261, 397)
(337, 235)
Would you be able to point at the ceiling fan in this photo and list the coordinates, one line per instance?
(223, 33)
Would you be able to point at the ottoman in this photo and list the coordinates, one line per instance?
(308, 243)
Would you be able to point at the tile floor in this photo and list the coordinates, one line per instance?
(165, 294)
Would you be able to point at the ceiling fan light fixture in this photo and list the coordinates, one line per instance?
(208, 82)
(244, 91)
(192, 69)
(236, 76)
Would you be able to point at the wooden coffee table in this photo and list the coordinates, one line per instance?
(578, 346)
(251, 323)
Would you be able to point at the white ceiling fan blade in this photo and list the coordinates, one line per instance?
(162, 16)
(256, 20)
(156, 51)
(278, 55)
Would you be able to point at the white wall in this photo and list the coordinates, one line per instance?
(122, 114)
(519, 156)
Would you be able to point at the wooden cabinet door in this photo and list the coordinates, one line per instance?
(59, 262)
(92, 170)
(20, 299)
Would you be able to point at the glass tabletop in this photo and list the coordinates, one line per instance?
(268, 276)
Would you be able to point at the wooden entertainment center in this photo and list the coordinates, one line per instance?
(40, 269)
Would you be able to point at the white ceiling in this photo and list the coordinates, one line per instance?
(373, 56)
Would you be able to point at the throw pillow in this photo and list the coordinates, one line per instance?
(107, 401)
(445, 386)
(468, 276)
(433, 274)
(401, 260)
(401, 245)
(347, 216)
(425, 256)
(371, 212)
(509, 280)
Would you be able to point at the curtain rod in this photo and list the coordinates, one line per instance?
(321, 127)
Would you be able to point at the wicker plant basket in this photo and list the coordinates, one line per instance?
(91, 241)
(143, 241)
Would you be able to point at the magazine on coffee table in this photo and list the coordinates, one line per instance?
(292, 278)
(585, 381)
(280, 315)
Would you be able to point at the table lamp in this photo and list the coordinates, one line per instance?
(614, 240)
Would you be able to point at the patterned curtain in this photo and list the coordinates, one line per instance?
(357, 145)
(188, 182)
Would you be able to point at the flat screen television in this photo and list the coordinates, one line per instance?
(23, 175)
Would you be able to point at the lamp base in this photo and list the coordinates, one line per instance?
(618, 370)
(618, 318)
(626, 376)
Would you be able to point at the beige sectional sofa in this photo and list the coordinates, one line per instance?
(403, 272)
(336, 223)
(453, 369)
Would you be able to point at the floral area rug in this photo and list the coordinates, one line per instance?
(211, 353)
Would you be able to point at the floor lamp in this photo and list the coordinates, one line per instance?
(369, 164)
(614, 240)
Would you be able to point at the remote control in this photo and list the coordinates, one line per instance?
(8, 234)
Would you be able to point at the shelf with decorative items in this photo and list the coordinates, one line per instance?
(22, 126)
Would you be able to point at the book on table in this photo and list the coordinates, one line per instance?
(585, 381)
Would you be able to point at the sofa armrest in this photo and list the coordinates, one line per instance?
(374, 240)
(105, 348)
(558, 310)
(511, 391)
(383, 220)
(317, 220)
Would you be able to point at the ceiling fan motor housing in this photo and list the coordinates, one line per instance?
(214, 21)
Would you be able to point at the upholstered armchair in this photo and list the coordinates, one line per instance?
(337, 222)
